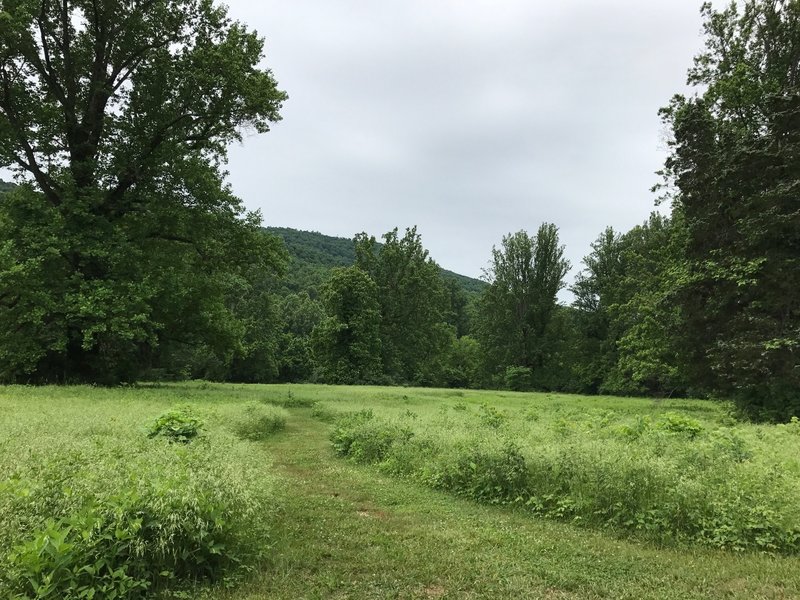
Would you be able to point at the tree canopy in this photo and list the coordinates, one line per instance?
(525, 275)
(116, 116)
(735, 171)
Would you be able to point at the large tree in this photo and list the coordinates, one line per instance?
(116, 116)
(347, 343)
(516, 310)
(413, 303)
(734, 169)
(597, 290)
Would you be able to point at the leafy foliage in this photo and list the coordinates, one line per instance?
(655, 471)
(734, 171)
(178, 425)
(526, 273)
(94, 508)
(347, 343)
(413, 304)
(124, 237)
(257, 421)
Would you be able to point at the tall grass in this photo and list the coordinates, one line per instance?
(679, 471)
(94, 504)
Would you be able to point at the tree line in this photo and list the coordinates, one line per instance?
(124, 254)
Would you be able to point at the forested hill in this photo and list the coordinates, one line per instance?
(313, 254)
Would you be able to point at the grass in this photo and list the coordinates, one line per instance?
(338, 529)
(670, 471)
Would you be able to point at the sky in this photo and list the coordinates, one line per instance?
(470, 119)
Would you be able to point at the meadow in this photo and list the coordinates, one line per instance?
(227, 491)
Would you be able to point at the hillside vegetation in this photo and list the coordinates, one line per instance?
(312, 255)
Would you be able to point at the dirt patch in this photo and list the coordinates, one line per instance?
(433, 591)
(371, 513)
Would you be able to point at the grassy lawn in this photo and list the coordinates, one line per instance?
(332, 528)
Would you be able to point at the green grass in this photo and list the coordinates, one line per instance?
(672, 471)
(337, 529)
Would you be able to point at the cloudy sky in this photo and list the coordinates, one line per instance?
(470, 119)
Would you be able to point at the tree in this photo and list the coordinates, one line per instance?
(347, 344)
(413, 305)
(525, 275)
(300, 315)
(116, 116)
(645, 319)
(597, 288)
(733, 173)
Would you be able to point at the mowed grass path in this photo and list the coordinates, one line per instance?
(346, 531)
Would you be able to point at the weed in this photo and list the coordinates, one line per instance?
(258, 422)
(491, 417)
(177, 425)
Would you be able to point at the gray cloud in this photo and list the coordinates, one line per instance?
(469, 119)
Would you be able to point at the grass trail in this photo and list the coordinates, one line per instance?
(346, 531)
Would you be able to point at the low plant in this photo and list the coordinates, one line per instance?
(257, 421)
(491, 417)
(290, 400)
(179, 424)
(96, 510)
(679, 423)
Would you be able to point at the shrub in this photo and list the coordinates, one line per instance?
(365, 439)
(96, 510)
(323, 414)
(258, 422)
(636, 476)
(178, 425)
(493, 477)
(680, 423)
(491, 417)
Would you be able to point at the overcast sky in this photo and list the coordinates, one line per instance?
(470, 119)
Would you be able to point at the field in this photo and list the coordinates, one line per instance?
(340, 492)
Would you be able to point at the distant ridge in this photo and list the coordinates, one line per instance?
(313, 254)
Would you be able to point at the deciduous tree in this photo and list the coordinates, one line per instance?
(116, 115)
(525, 275)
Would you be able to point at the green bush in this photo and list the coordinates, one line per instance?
(365, 439)
(491, 417)
(490, 476)
(680, 423)
(519, 379)
(178, 425)
(258, 422)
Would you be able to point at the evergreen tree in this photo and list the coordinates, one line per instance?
(734, 167)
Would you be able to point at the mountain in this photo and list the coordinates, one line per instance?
(6, 186)
(314, 254)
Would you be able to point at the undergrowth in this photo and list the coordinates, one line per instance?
(104, 505)
(667, 477)
(258, 421)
